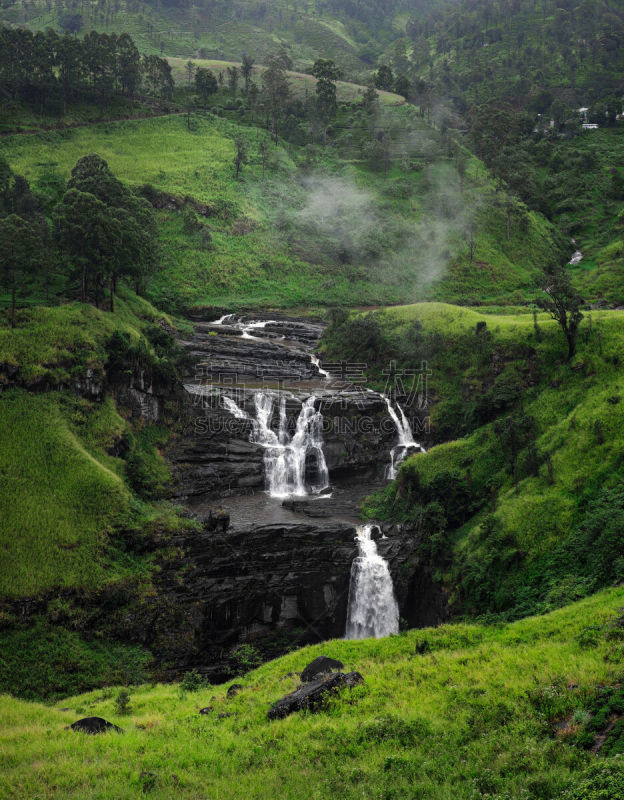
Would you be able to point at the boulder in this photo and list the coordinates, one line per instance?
(94, 725)
(206, 710)
(322, 665)
(234, 689)
(312, 696)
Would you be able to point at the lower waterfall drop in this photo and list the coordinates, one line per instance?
(372, 610)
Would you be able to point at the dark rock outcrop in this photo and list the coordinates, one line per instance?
(313, 695)
(234, 689)
(322, 665)
(94, 725)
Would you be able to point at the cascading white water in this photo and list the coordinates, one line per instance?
(231, 406)
(316, 362)
(252, 326)
(244, 327)
(223, 320)
(372, 610)
(285, 457)
(406, 439)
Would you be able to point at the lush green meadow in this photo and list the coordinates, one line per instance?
(462, 711)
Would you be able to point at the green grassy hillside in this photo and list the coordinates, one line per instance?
(68, 502)
(518, 506)
(220, 32)
(301, 83)
(323, 226)
(463, 711)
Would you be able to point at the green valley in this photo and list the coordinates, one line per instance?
(311, 428)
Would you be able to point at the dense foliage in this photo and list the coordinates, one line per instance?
(102, 232)
(47, 71)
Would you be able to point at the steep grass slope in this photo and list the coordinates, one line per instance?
(463, 711)
(313, 227)
(65, 497)
(518, 507)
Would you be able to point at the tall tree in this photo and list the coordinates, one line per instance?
(21, 255)
(88, 234)
(190, 68)
(563, 304)
(240, 156)
(247, 66)
(119, 235)
(205, 84)
(384, 78)
(276, 91)
(326, 73)
(128, 65)
(232, 73)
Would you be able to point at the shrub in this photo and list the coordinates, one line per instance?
(244, 658)
(192, 681)
(122, 702)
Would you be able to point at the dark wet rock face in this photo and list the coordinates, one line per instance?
(320, 666)
(272, 587)
(313, 695)
(94, 725)
(213, 456)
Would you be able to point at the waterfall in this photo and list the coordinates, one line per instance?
(230, 405)
(316, 363)
(372, 609)
(285, 457)
(406, 439)
(223, 320)
(245, 327)
(252, 326)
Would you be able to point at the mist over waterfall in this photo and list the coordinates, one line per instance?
(372, 609)
(406, 439)
(287, 459)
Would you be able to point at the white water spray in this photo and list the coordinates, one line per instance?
(230, 405)
(316, 363)
(252, 326)
(245, 327)
(285, 457)
(406, 439)
(372, 610)
(223, 320)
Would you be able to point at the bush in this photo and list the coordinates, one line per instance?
(244, 658)
(192, 681)
(602, 781)
(122, 702)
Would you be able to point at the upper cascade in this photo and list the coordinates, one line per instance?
(293, 465)
(406, 439)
